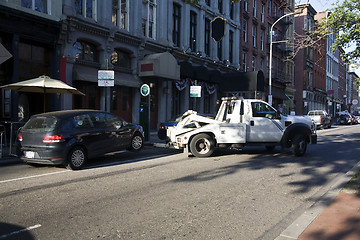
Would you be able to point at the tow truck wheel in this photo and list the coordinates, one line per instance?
(202, 145)
(299, 145)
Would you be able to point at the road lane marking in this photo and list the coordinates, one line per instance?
(34, 176)
(20, 231)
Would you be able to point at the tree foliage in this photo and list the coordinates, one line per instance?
(344, 19)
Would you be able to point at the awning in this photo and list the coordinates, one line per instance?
(242, 81)
(162, 65)
(215, 76)
(201, 73)
(278, 93)
(186, 70)
(89, 74)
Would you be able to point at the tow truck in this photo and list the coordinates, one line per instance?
(242, 122)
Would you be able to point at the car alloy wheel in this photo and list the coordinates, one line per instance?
(76, 158)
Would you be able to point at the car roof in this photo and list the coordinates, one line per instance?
(67, 113)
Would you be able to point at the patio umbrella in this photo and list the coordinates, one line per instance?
(43, 84)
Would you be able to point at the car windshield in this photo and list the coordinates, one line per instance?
(41, 124)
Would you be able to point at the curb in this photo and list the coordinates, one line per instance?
(301, 223)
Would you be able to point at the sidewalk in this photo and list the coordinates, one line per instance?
(335, 216)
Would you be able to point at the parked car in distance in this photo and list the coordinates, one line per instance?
(344, 119)
(320, 118)
(70, 137)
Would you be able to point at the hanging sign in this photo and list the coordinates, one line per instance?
(195, 91)
(105, 78)
(144, 90)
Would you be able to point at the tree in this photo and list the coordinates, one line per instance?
(344, 19)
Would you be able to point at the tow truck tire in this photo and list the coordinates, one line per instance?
(202, 145)
(299, 145)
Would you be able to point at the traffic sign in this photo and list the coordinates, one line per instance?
(144, 90)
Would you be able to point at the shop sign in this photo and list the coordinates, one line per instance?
(106, 78)
(195, 91)
(144, 90)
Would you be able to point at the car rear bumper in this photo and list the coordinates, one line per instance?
(48, 156)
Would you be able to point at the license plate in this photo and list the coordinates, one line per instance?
(29, 154)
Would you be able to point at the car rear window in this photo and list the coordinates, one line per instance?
(41, 124)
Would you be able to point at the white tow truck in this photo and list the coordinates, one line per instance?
(240, 122)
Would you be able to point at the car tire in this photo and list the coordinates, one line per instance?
(137, 142)
(76, 158)
(202, 145)
(299, 145)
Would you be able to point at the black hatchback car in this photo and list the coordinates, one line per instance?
(70, 137)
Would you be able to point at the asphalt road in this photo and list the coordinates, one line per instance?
(162, 194)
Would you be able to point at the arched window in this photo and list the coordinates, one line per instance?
(121, 59)
(85, 51)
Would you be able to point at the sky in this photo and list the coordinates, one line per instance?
(322, 5)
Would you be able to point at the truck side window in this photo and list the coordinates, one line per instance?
(260, 109)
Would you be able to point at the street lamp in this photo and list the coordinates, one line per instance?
(271, 43)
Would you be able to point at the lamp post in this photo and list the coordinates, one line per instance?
(271, 43)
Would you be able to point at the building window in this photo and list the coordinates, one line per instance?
(121, 59)
(245, 30)
(176, 24)
(262, 12)
(246, 3)
(149, 18)
(193, 23)
(254, 35)
(262, 39)
(269, 7)
(275, 10)
(220, 6)
(86, 8)
(254, 8)
(245, 60)
(262, 65)
(254, 63)
(219, 52)
(120, 13)
(37, 5)
(231, 46)
(207, 37)
(207, 2)
(85, 51)
(232, 10)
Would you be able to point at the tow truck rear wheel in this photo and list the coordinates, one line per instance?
(299, 145)
(202, 145)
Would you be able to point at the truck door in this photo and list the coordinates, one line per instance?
(264, 124)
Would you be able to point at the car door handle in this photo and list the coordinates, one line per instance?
(251, 123)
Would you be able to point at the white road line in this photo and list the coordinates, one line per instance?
(35, 176)
(20, 231)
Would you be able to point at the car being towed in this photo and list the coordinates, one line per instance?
(70, 137)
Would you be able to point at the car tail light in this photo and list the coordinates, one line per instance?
(20, 137)
(53, 138)
(40, 117)
(161, 126)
